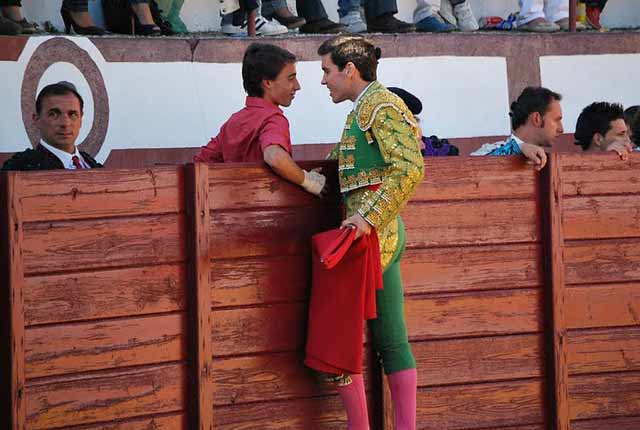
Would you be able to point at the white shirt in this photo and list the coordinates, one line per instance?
(65, 157)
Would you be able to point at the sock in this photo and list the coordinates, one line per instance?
(403, 386)
(354, 400)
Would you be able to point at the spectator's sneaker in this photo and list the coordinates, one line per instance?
(539, 25)
(387, 23)
(9, 27)
(593, 17)
(265, 27)
(564, 25)
(353, 22)
(433, 24)
(322, 26)
(465, 18)
(234, 30)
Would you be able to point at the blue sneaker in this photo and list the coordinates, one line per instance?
(433, 24)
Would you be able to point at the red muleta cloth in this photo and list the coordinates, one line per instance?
(346, 275)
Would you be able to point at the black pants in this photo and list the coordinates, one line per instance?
(83, 5)
(595, 3)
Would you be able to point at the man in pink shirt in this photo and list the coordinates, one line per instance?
(260, 131)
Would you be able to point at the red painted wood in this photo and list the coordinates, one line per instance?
(12, 349)
(199, 293)
(555, 305)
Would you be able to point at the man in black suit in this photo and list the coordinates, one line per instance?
(58, 117)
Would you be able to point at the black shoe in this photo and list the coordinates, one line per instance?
(322, 26)
(26, 26)
(387, 23)
(290, 22)
(9, 27)
(69, 23)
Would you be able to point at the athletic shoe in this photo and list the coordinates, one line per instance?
(353, 22)
(433, 24)
(464, 16)
(265, 27)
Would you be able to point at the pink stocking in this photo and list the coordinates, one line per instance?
(355, 403)
(403, 386)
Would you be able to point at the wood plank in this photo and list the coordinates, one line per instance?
(110, 396)
(262, 280)
(603, 305)
(600, 174)
(590, 262)
(602, 396)
(104, 294)
(489, 405)
(483, 222)
(93, 244)
(265, 329)
(200, 348)
(269, 232)
(462, 361)
(478, 314)
(622, 423)
(174, 421)
(462, 178)
(254, 185)
(324, 413)
(71, 348)
(471, 268)
(12, 403)
(281, 327)
(555, 319)
(268, 377)
(601, 217)
(609, 350)
(56, 195)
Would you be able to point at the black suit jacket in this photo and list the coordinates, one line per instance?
(41, 159)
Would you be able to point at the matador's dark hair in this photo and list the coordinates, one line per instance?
(353, 49)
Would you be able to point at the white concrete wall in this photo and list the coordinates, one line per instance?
(146, 112)
(203, 15)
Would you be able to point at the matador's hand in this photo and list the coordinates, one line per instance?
(361, 225)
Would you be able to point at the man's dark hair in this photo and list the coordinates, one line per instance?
(61, 88)
(263, 61)
(532, 99)
(596, 118)
(632, 118)
(355, 49)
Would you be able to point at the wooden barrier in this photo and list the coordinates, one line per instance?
(176, 297)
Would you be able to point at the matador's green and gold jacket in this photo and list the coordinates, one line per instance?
(379, 145)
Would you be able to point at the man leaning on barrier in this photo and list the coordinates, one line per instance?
(58, 117)
(260, 131)
(536, 121)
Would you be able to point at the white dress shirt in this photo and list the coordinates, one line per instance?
(65, 157)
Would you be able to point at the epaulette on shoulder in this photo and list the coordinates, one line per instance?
(379, 99)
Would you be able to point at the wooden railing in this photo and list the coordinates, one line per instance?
(175, 297)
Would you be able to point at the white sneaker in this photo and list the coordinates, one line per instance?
(353, 22)
(464, 15)
(267, 27)
(234, 30)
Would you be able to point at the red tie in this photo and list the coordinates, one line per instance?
(76, 162)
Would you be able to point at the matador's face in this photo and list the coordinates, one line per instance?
(336, 80)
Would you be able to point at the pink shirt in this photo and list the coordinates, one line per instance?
(247, 133)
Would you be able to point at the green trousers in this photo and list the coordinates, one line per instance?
(389, 329)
